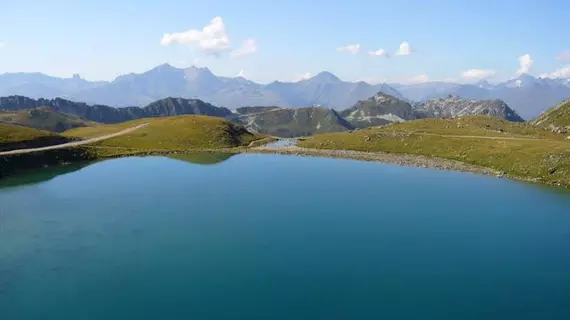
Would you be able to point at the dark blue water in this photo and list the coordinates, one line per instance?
(278, 237)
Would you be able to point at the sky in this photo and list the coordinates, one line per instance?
(401, 41)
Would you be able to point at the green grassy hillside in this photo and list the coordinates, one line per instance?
(556, 117)
(517, 149)
(44, 119)
(168, 134)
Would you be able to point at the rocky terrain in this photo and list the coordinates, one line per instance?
(454, 106)
(379, 109)
(283, 122)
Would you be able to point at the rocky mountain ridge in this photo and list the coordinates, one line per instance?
(380, 109)
(528, 95)
(453, 106)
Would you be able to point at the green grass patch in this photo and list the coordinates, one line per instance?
(558, 116)
(545, 159)
(178, 133)
(10, 133)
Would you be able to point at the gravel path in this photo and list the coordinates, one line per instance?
(477, 137)
(75, 143)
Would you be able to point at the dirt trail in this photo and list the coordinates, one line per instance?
(476, 137)
(74, 143)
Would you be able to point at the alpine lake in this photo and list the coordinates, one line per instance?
(259, 236)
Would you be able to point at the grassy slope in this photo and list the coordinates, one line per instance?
(168, 134)
(19, 137)
(10, 133)
(558, 116)
(546, 159)
(44, 119)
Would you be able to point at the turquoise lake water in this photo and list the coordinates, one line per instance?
(279, 237)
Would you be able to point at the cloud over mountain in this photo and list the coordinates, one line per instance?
(212, 38)
(525, 64)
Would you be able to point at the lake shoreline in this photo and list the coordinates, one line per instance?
(408, 160)
(400, 159)
(380, 157)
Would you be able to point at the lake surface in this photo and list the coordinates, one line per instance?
(279, 237)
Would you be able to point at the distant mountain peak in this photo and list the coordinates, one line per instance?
(192, 73)
(525, 76)
(163, 67)
(199, 69)
(324, 76)
(483, 84)
(522, 80)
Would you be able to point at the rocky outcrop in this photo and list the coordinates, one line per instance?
(453, 106)
(378, 110)
(284, 122)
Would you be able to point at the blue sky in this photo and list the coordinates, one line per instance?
(288, 39)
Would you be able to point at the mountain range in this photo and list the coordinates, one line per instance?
(528, 95)
(380, 109)
(193, 83)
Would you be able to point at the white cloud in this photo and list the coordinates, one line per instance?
(478, 73)
(563, 72)
(379, 53)
(241, 73)
(563, 56)
(2, 45)
(249, 46)
(211, 39)
(351, 48)
(405, 49)
(525, 64)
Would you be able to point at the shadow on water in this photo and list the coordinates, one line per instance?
(34, 176)
(208, 158)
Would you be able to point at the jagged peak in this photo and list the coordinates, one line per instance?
(199, 69)
(194, 72)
